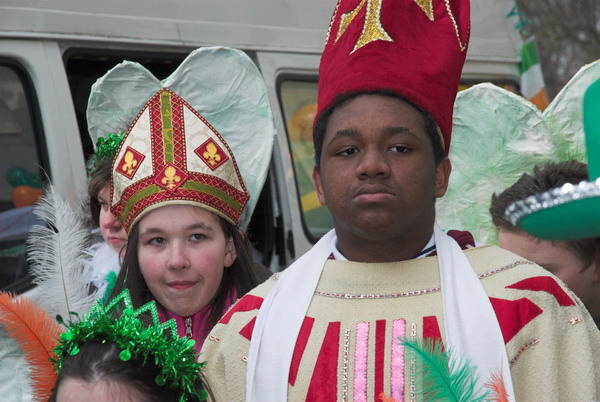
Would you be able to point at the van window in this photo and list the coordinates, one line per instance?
(20, 173)
(299, 104)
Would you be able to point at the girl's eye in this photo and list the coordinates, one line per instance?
(104, 205)
(157, 241)
(348, 151)
(197, 236)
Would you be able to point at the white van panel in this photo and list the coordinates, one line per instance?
(297, 26)
(43, 63)
(272, 66)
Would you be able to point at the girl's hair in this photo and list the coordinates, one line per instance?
(243, 275)
(99, 179)
(99, 361)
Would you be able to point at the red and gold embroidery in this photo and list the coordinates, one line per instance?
(130, 162)
(373, 29)
(211, 154)
(170, 178)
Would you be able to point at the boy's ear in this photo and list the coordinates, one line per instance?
(230, 252)
(442, 177)
(596, 266)
(316, 176)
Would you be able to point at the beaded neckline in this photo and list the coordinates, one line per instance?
(419, 292)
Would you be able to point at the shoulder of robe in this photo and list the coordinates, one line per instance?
(551, 340)
(237, 323)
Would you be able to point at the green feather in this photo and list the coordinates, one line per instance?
(443, 377)
(111, 279)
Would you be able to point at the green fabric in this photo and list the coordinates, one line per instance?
(591, 125)
(14, 251)
(192, 185)
(529, 55)
(137, 197)
(167, 121)
(577, 219)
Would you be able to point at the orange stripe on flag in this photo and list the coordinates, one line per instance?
(540, 99)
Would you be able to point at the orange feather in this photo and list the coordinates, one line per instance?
(384, 398)
(37, 334)
(498, 390)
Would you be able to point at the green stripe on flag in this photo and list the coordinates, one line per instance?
(529, 55)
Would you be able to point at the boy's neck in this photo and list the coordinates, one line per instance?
(361, 249)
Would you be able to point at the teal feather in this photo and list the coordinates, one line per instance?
(111, 280)
(443, 377)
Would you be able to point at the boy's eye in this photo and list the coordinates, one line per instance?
(400, 148)
(348, 151)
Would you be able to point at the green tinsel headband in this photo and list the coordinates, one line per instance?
(119, 323)
(107, 148)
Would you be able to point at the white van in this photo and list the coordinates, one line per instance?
(51, 52)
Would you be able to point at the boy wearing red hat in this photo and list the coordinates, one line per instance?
(332, 325)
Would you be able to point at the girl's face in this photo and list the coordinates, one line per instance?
(182, 252)
(110, 227)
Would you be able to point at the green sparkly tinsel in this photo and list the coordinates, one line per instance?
(119, 323)
(107, 148)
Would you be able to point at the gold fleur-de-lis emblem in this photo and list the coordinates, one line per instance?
(170, 178)
(130, 163)
(211, 155)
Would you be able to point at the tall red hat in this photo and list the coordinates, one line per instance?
(415, 48)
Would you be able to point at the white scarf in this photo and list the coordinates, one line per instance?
(472, 329)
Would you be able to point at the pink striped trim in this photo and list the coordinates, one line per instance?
(397, 369)
(361, 355)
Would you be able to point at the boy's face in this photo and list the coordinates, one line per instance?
(559, 260)
(377, 174)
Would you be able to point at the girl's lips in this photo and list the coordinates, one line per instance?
(116, 240)
(181, 285)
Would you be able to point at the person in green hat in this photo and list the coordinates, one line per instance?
(569, 211)
(575, 262)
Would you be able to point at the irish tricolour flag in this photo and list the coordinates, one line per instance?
(532, 79)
